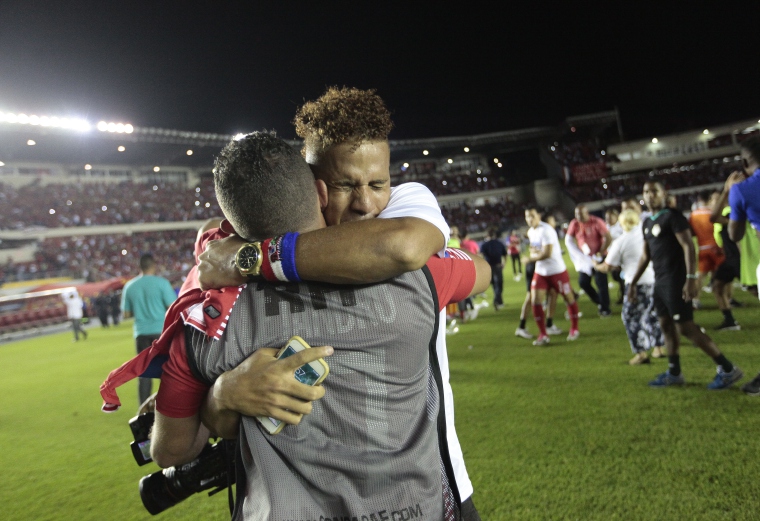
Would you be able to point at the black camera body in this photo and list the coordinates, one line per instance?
(212, 469)
(141, 425)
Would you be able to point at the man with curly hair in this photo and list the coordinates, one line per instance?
(345, 135)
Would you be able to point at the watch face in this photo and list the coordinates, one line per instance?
(248, 258)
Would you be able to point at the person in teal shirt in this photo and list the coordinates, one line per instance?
(147, 297)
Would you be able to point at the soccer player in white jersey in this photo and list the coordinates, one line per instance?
(550, 272)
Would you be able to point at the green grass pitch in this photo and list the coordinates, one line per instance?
(568, 431)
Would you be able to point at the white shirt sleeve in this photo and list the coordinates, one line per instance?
(581, 261)
(613, 255)
(416, 200)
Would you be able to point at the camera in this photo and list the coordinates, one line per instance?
(212, 469)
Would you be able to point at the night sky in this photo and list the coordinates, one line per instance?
(241, 66)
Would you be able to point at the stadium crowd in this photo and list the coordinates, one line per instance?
(96, 258)
(91, 204)
(676, 176)
(443, 178)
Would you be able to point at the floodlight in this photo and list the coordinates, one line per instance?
(189, 152)
(495, 159)
(88, 167)
(705, 131)
(654, 140)
(406, 165)
(425, 152)
(31, 142)
(123, 252)
(2, 164)
(449, 161)
(121, 148)
(499, 165)
(102, 126)
(129, 128)
(197, 203)
(111, 127)
(104, 208)
(466, 149)
(238, 136)
(23, 119)
(34, 120)
(208, 205)
(156, 169)
(51, 211)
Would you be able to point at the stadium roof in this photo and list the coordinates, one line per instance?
(102, 144)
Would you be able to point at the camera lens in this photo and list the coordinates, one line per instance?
(157, 495)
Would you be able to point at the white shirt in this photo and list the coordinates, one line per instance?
(625, 251)
(581, 261)
(616, 230)
(73, 305)
(416, 200)
(539, 237)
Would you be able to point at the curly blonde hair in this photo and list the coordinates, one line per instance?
(340, 116)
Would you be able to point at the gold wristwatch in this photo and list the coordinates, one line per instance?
(248, 259)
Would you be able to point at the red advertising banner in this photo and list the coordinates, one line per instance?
(589, 172)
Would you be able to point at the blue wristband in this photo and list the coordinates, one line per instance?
(289, 257)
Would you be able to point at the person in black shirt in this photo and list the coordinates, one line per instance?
(495, 253)
(668, 244)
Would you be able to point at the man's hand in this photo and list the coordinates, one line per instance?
(735, 178)
(265, 386)
(216, 266)
(690, 290)
(632, 293)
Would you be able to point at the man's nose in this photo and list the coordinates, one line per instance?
(362, 201)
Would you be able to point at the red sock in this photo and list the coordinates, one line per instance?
(538, 314)
(573, 312)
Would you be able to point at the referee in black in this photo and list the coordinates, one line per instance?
(668, 244)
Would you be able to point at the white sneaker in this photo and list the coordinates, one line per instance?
(470, 314)
(574, 334)
(541, 341)
(554, 330)
(567, 315)
(523, 333)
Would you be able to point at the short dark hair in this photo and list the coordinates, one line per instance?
(538, 210)
(704, 196)
(264, 186)
(147, 262)
(340, 116)
(752, 145)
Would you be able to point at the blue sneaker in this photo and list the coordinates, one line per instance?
(666, 379)
(724, 380)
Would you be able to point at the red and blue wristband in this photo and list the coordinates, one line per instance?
(279, 263)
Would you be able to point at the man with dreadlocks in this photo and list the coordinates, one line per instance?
(345, 135)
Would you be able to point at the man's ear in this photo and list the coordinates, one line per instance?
(322, 192)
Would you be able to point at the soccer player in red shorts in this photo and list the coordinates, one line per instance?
(550, 272)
